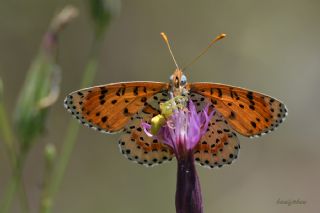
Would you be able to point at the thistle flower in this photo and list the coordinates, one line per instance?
(182, 131)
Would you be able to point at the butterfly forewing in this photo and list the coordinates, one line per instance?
(249, 113)
(108, 108)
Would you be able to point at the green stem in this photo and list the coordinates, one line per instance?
(7, 135)
(49, 156)
(14, 185)
(16, 165)
(70, 139)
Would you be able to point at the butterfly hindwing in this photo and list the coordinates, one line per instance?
(139, 147)
(220, 144)
(249, 113)
(108, 108)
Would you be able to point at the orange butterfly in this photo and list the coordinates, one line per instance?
(123, 106)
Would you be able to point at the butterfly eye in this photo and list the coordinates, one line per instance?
(183, 80)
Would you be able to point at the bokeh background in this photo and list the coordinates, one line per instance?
(272, 47)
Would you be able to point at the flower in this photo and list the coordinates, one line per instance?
(182, 131)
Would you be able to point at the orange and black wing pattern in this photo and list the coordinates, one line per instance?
(247, 112)
(108, 108)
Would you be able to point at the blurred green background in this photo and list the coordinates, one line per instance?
(272, 47)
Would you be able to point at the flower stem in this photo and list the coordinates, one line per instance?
(16, 164)
(188, 192)
(14, 185)
(7, 133)
(71, 137)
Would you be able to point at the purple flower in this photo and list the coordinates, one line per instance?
(182, 132)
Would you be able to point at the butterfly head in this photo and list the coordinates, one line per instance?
(178, 82)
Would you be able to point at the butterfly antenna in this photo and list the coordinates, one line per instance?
(166, 40)
(219, 37)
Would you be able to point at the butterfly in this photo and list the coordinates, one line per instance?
(121, 107)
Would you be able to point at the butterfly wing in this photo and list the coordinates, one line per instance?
(249, 113)
(136, 145)
(140, 148)
(220, 144)
(108, 108)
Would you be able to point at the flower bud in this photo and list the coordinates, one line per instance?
(50, 154)
(41, 87)
(101, 12)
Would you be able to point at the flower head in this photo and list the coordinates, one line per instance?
(182, 131)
